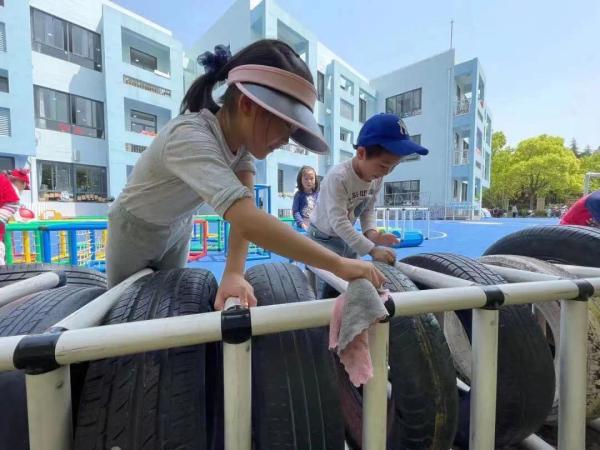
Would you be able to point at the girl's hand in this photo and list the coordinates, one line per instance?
(234, 285)
(352, 269)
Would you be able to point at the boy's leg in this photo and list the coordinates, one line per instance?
(336, 245)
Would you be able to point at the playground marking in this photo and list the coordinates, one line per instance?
(480, 223)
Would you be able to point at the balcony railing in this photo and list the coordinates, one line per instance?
(461, 156)
(146, 86)
(463, 106)
(294, 148)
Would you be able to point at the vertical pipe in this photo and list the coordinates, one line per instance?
(483, 386)
(375, 391)
(49, 410)
(237, 382)
(26, 247)
(572, 356)
(46, 246)
(72, 247)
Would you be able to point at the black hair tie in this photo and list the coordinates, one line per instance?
(214, 62)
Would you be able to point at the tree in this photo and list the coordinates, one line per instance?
(574, 148)
(591, 163)
(542, 165)
(503, 185)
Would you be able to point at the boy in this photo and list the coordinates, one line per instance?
(349, 191)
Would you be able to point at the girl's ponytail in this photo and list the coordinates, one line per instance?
(199, 95)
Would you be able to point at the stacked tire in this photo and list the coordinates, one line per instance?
(35, 314)
(526, 380)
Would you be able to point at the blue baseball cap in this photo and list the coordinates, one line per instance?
(388, 131)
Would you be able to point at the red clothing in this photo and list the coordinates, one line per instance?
(9, 201)
(585, 211)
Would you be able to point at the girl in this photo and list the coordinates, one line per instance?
(206, 155)
(307, 186)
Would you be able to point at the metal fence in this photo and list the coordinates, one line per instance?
(77, 339)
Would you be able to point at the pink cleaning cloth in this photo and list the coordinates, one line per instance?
(353, 313)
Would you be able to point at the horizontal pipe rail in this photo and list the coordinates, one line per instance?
(19, 289)
(135, 337)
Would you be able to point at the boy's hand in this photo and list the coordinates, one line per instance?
(234, 285)
(352, 269)
(383, 254)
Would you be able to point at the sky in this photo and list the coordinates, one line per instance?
(541, 59)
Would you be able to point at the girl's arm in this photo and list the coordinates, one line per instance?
(268, 232)
(296, 209)
(233, 283)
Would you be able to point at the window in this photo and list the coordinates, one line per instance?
(346, 85)
(4, 122)
(345, 156)
(406, 104)
(1, 2)
(479, 141)
(142, 122)
(346, 110)
(322, 128)
(128, 170)
(143, 60)
(59, 111)
(321, 86)
(346, 136)
(87, 117)
(2, 37)
(55, 181)
(464, 191)
(477, 193)
(280, 181)
(3, 84)
(57, 37)
(455, 189)
(402, 193)
(478, 165)
(362, 110)
(7, 163)
(90, 183)
(71, 182)
(487, 159)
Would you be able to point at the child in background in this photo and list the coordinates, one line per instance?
(350, 189)
(585, 211)
(206, 154)
(306, 196)
(12, 184)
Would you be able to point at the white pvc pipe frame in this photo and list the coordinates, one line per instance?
(50, 425)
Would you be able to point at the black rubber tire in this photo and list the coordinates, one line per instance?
(295, 402)
(423, 410)
(41, 311)
(77, 276)
(566, 244)
(526, 381)
(160, 399)
(550, 311)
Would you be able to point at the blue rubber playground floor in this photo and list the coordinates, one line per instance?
(468, 238)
